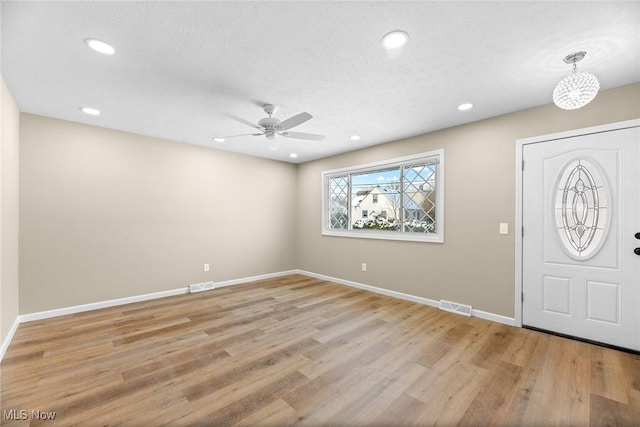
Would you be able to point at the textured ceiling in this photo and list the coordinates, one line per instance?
(180, 66)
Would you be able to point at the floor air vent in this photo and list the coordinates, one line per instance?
(199, 287)
(453, 307)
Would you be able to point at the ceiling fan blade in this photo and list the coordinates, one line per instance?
(294, 121)
(233, 136)
(302, 135)
(246, 122)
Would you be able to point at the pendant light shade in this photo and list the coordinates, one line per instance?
(578, 88)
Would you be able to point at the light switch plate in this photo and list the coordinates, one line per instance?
(504, 228)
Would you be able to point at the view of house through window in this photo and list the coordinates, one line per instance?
(402, 198)
(375, 191)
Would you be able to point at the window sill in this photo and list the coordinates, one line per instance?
(381, 235)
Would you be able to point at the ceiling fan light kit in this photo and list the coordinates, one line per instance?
(271, 127)
(578, 88)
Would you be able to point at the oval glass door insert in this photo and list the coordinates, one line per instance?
(581, 208)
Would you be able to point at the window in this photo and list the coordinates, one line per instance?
(399, 199)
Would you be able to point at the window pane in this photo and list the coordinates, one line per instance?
(419, 201)
(338, 202)
(395, 199)
(383, 186)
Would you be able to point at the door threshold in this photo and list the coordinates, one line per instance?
(571, 337)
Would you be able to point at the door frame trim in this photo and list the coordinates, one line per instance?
(520, 143)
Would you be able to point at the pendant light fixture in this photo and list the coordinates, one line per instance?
(578, 88)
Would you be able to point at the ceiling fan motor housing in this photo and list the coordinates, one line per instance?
(269, 123)
(270, 127)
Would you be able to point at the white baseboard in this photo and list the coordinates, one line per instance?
(137, 298)
(494, 317)
(179, 291)
(420, 300)
(254, 278)
(98, 305)
(387, 292)
(8, 338)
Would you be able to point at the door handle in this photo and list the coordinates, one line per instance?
(636, 251)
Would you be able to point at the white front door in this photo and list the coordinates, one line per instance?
(580, 217)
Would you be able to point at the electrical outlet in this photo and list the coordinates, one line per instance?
(364, 266)
(206, 267)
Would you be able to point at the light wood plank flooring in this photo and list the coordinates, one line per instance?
(300, 351)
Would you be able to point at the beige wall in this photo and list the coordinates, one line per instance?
(9, 127)
(475, 265)
(107, 214)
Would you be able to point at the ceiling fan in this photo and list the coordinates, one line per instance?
(272, 127)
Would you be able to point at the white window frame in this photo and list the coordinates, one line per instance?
(437, 237)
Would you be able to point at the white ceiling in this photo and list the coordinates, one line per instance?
(180, 66)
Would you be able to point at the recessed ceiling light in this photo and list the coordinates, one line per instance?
(466, 106)
(216, 139)
(100, 46)
(395, 39)
(293, 155)
(90, 111)
(354, 137)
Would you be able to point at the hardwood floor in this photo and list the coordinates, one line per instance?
(300, 351)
